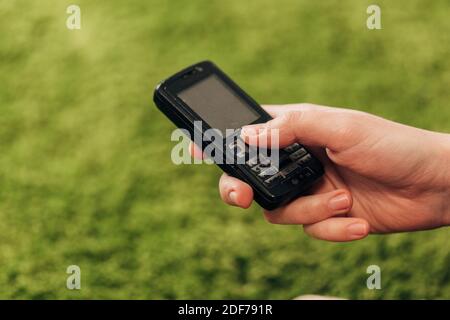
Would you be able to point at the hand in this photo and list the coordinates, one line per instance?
(380, 176)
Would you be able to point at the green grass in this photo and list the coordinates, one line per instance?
(85, 170)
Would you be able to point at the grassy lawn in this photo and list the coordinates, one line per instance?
(85, 170)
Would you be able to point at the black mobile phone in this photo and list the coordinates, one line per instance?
(204, 94)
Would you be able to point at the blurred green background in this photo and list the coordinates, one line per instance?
(85, 170)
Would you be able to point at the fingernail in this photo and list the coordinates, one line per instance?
(249, 131)
(339, 202)
(233, 197)
(357, 230)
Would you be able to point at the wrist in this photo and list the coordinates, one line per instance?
(443, 154)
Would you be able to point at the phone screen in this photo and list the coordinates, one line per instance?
(217, 104)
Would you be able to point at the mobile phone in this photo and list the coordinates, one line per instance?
(202, 93)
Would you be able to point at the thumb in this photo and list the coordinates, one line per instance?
(330, 128)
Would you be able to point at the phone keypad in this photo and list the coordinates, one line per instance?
(295, 163)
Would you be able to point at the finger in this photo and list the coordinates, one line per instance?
(276, 110)
(195, 151)
(235, 192)
(314, 126)
(338, 229)
(312, 209)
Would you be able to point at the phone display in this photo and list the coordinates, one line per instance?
(217, 104)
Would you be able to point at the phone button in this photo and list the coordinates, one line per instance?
(253, 161)
(256, 169)
(274, 179)
(293, 147)
(289, 168)
(269, 171)
(306, 159)
(264, 162)
(298, 154)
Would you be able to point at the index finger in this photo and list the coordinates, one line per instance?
(276, 110)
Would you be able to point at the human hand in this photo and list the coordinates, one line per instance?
(380, 176)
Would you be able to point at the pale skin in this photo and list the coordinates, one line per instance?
(380, 176)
